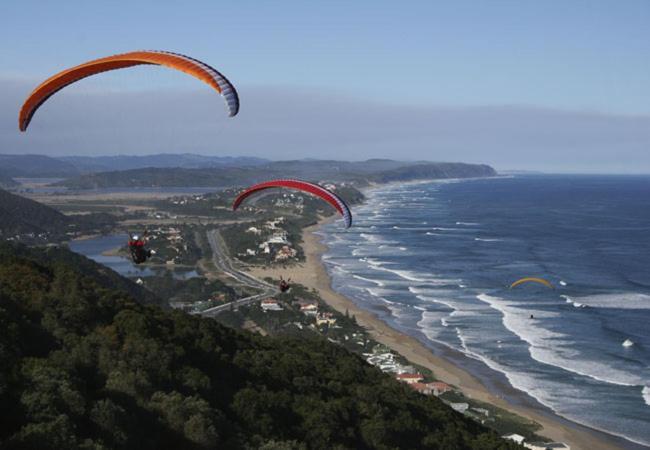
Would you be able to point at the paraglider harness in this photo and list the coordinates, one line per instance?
(139, 253)
(284, 285)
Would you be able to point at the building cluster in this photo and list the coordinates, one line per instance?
(387, 361)
(276, 245)
(416, 381)
(186, 200)
(307, 307)
(172, 239)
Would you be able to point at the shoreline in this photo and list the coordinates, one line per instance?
(313, 274)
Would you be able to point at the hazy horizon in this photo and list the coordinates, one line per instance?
(550, 87)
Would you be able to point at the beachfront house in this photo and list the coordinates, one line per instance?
(409, 378)
(518, 438)
(309, 310)
(440, 388)
(460, 407)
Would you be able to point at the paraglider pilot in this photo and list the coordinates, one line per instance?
(137, 247)
(285, 284)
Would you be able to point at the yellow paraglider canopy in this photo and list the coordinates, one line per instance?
(531, 280)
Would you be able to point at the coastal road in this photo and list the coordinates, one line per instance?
(224, 264)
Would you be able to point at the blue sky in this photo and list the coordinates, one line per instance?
(587, 57)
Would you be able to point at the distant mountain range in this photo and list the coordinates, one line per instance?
(86, 164)
(36, 166)
(378, 171)
(41, 166)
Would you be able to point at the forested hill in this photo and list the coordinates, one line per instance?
(32, 222)
(19, 215)
(86, 366)
(6, 181)
(334, 171)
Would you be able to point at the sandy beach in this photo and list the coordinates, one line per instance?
(312, 273)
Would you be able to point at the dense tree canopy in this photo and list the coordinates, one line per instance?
(83, 365)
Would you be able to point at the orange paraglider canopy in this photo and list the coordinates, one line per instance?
(176, 61)
(531, 280)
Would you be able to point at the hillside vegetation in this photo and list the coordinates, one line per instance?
(333, 171)
(29, 221)
(19, 215)
(83, 365)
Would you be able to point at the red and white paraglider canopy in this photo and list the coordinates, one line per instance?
(305, 186)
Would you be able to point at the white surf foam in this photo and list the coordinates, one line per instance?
(646, 394)
(563, 283)
(553, 348)
(623, 300)
(470, 224)
(370, 280)
(487, 239)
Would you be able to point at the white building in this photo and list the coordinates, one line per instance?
(460, 407)
(271, 304)
(518, 438)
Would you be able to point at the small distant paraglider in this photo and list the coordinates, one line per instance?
(531, 280)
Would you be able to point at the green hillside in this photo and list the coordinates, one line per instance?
(86, 366)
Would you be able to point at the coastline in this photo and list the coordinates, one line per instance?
(313, 274)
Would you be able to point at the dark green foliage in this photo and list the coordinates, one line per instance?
(19, 215)
(190, 290)
(85, 366)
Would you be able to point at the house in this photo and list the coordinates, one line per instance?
(302, 302)
(285, 252)
(430, 388)
(271, 304)
(325, 319)
(460, 407)
(422, 388)
(280, 237)
(309, 310)
(518, 438)
(409, 377)
(440, 388)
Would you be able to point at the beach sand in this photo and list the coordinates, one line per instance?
(312, 273)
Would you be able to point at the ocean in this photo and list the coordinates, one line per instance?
(435, 260)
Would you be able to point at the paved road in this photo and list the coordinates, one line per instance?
(223, 263)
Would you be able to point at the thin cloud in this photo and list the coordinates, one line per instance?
(283, 123)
